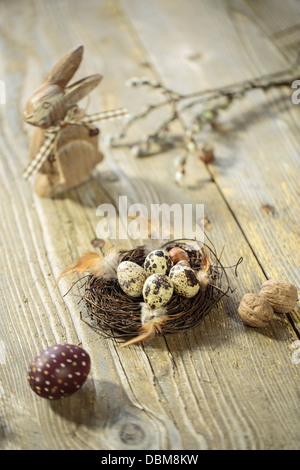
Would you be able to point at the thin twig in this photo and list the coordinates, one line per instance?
(212, 100)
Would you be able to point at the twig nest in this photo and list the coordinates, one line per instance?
(59, 371)
(158, 261)
(112, 313)
(281, 294)
(131, 278)
(178, 254)
(157, 290)
(255, 311)
(184, 280)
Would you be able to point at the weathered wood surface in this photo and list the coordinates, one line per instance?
(221, 385)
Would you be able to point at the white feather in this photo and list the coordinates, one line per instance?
(150, 315)
(203, 279)
(109, 265)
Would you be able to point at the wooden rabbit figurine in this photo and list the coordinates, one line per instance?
(64, 145)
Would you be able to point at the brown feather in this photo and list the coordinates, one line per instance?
(206, 255)
(88, 262)
(146, 333)
(150, 327)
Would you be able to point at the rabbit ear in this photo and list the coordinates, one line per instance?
(80, 89)
(64, 70)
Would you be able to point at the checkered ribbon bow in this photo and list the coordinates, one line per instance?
(52, 133)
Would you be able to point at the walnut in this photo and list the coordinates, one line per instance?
(254, 310)
(281, 294)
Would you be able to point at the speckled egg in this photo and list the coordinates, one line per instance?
(131, 278)
(157, 290)
(184, 280)
(59, 371)
(158, 261)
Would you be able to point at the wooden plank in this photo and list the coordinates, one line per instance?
(280, 23)
(258, 151)
(224, 56)
(187, 391)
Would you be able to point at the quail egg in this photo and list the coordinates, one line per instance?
(158, 261)
(131, 278)
(184, 280)
(157, 290)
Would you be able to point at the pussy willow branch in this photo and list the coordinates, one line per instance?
(212, 101)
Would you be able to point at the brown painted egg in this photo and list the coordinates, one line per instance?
(184, 280)
(59, 371)
(178, 254)
(158, 262)
(183, 262)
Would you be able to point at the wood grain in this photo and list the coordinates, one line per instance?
(221, 385)
(257, 152)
